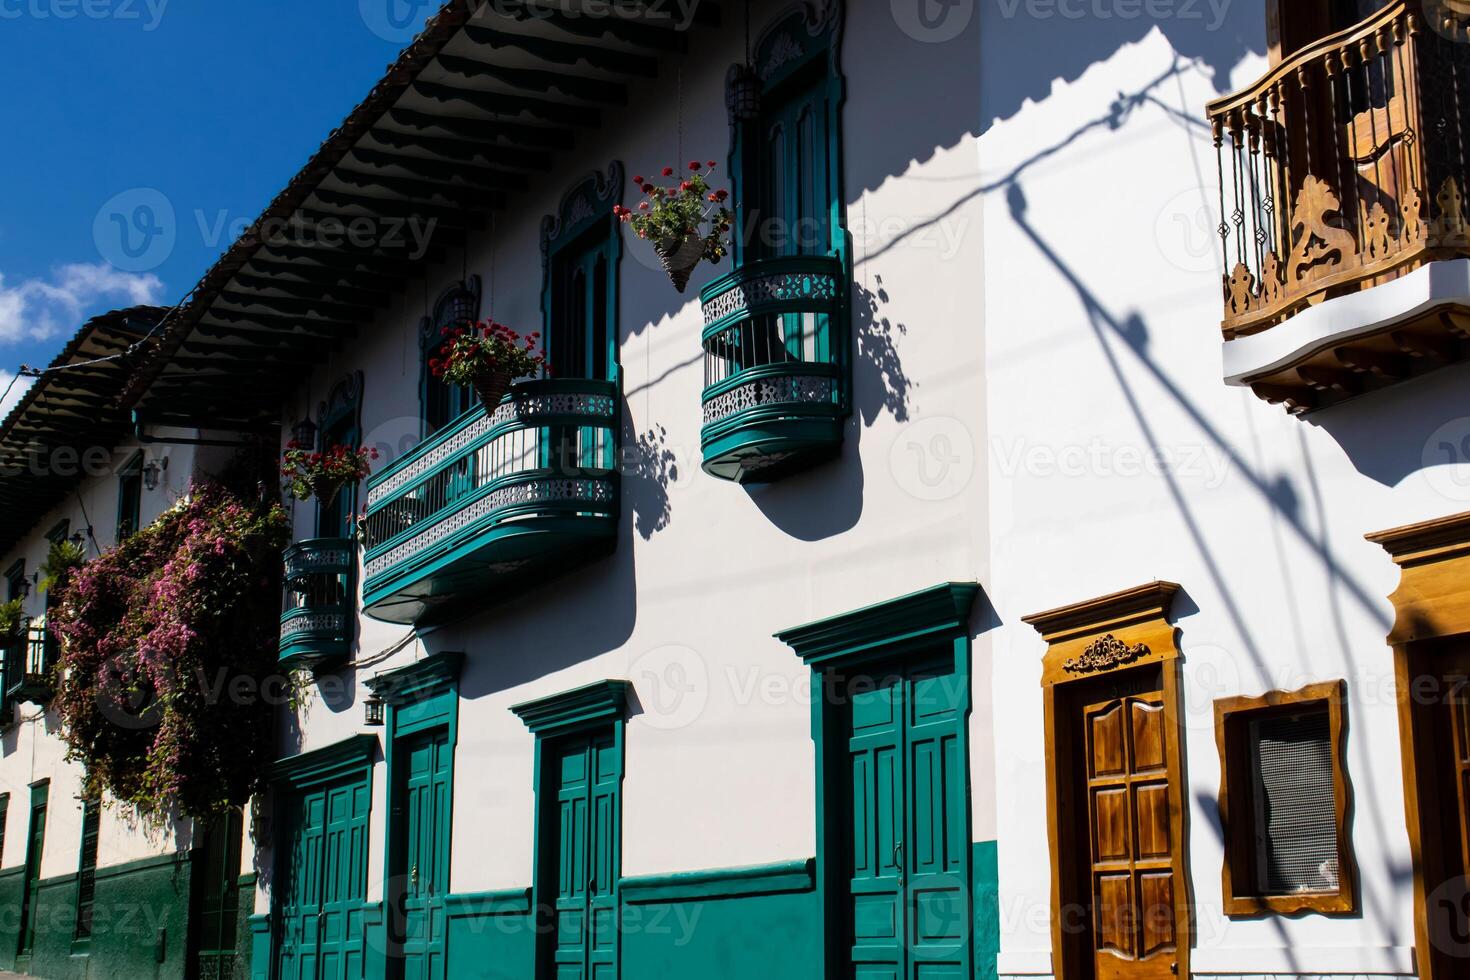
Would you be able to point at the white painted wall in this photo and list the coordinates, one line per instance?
(720, 774)
(1102, 353)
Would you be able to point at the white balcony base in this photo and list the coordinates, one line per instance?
(1339, 321)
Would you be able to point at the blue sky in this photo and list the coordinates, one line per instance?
(118, 112)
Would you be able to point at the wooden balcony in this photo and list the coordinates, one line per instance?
(1344, 171)
(320, 602)
(495, 503)
(775, 367)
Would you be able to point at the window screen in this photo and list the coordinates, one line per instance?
(1296, 825)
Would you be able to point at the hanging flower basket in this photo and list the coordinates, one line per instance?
(492, 386)
(685, 223)
(323, 475)
(679, 257)
(487, 357)
(325, 489)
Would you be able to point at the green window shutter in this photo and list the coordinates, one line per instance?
(87, 868)
(35, 846)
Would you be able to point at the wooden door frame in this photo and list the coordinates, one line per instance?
(927, 620)
(1431, 605)
(1123, 631)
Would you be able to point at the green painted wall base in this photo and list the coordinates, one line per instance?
(140, 923)
(758, 923)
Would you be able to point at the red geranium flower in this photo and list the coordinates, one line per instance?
(668, 171)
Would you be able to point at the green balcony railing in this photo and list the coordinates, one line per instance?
(30, 657)
(320, 601)
(494, 502)
(775, 367)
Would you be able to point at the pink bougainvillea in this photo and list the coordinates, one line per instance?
(168, 655)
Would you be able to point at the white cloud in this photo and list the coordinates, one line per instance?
(38, 309)
(15, 391)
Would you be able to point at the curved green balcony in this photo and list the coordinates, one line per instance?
(320, 600)
(494, 503)
(775, 367)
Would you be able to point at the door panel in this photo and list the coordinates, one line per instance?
(35, 846)
(588, 772)
(424, 853)
(602, 851)
(1129, 813)
(909, 904)
(326, 881)
(875, 748)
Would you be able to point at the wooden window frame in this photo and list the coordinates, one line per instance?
(130, 513)
(1237, 802)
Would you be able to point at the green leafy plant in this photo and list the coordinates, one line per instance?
(168, 658)
(12, 615)
(63, 557)
(323, 474)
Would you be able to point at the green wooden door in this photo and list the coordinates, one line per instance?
(35, 846)
(326, 881)
(424, 801)
(908, 860)
(588, 817)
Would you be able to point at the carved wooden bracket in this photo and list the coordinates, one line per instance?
(1124, 629)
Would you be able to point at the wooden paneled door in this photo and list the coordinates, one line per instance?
(1130, 824)
(585, 828)
(1440, 764)
(325, 877)
(908, 909)
(423, 854)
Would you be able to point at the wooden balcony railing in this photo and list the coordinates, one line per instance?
(1345, 166)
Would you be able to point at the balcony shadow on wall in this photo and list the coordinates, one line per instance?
(828, 499)
(1392, 434)
(558, 623)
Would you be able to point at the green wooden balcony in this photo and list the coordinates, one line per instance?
(320, 601)
(30, 657)
(776, 367)
(494, 503)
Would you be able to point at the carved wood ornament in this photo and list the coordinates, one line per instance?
(1105, 653)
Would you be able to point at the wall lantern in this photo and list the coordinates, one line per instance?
(151, 473)
(743, 93)
(372, 710)
(303, 433)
